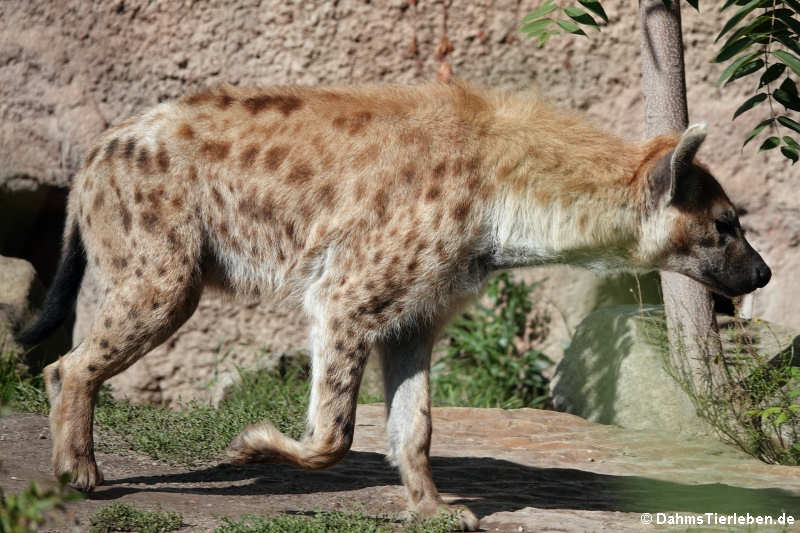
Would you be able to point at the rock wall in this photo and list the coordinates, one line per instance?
(71, 68)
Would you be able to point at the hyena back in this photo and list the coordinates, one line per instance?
(382, 210)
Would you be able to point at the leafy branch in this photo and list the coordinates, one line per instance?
(763, 36)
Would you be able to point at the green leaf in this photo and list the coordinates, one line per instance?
(769, 144)
(570, 27)
(730, 69)
(694, 4)
(789, 123)
(749, 104)
(790, 43)
(746, 70)
(789, 59)
(579, 15)
(789, 141)
(738, 16)
(771, 74)
(544, 9)
(789, 99)
(758, 129)
(536, 26)
(595, 7)
(787, 17)
(794, 4)
(790, 153)
(731, 49)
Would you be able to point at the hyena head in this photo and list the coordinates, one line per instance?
(705, 240)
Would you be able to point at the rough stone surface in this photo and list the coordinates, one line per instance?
(614, 372)
(519, 471)
(19, 291)
(69, 69)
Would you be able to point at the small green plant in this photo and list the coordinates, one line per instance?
(755, 406)
(126, 517)
(25, 511)
(336, 522)
(197, 432)
(483, 363)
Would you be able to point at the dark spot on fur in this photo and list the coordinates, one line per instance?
(461, 209)
(432, 193)
(299, 174)
(98, 199)
(412, 265)
(380, 203)
(162, 158)
(286, 104)
(439, 170)
(137, 195)
(177, 201)
(138, 272)
(224, 101)
(149, 221)
(186, 131)
(193, 173)
(103, 343)
(119, 263)
(354, 123)
(248, 155)
(111, 148)
(130, 148)
(107, 323)
(409, 173)
(339, 346)
(143, 160)
(217, 196)
(92, 368)
(216, 150)
(274, 157)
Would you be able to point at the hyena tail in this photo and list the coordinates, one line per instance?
(62, 293)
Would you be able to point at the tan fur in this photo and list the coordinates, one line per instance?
(382, 209)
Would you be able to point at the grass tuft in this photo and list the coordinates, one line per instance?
(488, 361)
(336, 522)
(126, 517)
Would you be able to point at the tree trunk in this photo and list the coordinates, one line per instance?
(691, 323)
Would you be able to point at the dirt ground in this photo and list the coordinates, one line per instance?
(522, 470)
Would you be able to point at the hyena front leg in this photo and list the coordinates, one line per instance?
(406, 372)
(134, 317)
(337, 364)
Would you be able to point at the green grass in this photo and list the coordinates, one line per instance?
(197, 432)
(126, 517)
(335, 522)
(485, 362)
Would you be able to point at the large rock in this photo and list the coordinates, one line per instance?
(615, 370)
(69, 69)
(21, 295)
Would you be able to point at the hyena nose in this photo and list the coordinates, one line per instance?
(763, 275)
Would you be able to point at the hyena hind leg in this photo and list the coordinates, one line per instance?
(406, 373)
(125, 328)
(337, 365)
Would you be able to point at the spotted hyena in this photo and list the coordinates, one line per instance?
(382, 210)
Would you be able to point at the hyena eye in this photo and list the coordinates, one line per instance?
(725, 227)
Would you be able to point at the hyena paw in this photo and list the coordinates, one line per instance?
(466, 519)
(83, 471)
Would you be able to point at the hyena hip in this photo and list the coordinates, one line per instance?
(383, 209)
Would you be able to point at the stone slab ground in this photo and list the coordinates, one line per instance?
(521, 470)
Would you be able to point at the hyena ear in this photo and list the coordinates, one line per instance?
(670, 172)
(681, 161)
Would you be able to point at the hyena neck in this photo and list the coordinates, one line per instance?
(570, 194)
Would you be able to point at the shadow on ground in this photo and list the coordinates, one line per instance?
(486, 485)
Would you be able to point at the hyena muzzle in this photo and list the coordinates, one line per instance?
(381, 210)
